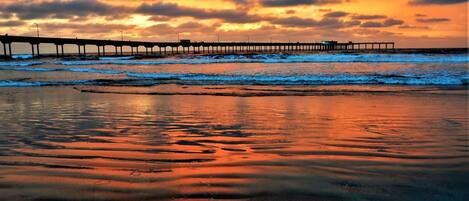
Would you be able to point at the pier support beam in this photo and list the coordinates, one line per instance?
(56, 50)
(9, 50)
(32, 50)
(4, 50)
(37, 50)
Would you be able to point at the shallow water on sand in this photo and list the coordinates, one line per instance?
(57, 143)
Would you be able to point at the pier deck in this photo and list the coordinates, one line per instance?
(163, 48)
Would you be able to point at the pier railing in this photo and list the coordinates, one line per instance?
(162, 48)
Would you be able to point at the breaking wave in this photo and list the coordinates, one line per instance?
(316, 79)
(22, 56)
(280, 58)
(442, 73)
(117, 58)
(15, 83)
(20, 63)
(260, 58)
(136, 78)
(77, 70)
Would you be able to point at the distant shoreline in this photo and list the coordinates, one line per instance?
(388, 51)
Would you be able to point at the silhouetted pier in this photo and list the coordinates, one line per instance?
(163, 48)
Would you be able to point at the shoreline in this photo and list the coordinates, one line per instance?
(252, 91)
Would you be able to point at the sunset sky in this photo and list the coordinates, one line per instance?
(410, 23)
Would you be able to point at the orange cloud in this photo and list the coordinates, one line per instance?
(302, 20)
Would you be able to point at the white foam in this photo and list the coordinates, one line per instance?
(92, 70)
(22, 56)
(78, 70)
(14, 83)
(8, 83)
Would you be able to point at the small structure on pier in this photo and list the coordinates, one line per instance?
(329, 42)
(185, 41)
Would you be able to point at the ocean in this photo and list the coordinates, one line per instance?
(335, 126)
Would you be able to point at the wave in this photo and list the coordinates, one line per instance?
(282, 58)
(327, 58)
(206, 79)
(93, 82)
(20, 63)
(316, 79)
(260, 58)
(15, 83)
(78, 70)
(436, 77)
(22, 56)
(117, 58)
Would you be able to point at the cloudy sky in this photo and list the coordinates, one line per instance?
(410, 23)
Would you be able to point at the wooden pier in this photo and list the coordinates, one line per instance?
(164, 48)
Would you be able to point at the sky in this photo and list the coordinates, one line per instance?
(409, 23)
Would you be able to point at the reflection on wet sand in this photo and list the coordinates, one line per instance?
(58, 144)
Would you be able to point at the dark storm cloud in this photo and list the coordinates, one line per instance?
(158, 18)
(88, 28)
(324, 10)
(371, 24)
(413, 27)
(323, 23)
(441, 2)
(174, 10)
(281, 3)
(368, 17)
(290, 12)
(432, 20)
(336, 14)
(386, 23)
(166, 29)
(60, 9)
(392, 22)
(294, 22)
(12, 23)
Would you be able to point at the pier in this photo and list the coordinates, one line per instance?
(182, 46)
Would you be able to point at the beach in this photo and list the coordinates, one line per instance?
(234, 127)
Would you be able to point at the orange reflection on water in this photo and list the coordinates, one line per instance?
(145, 147)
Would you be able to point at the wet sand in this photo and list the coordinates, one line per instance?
(59, 143)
